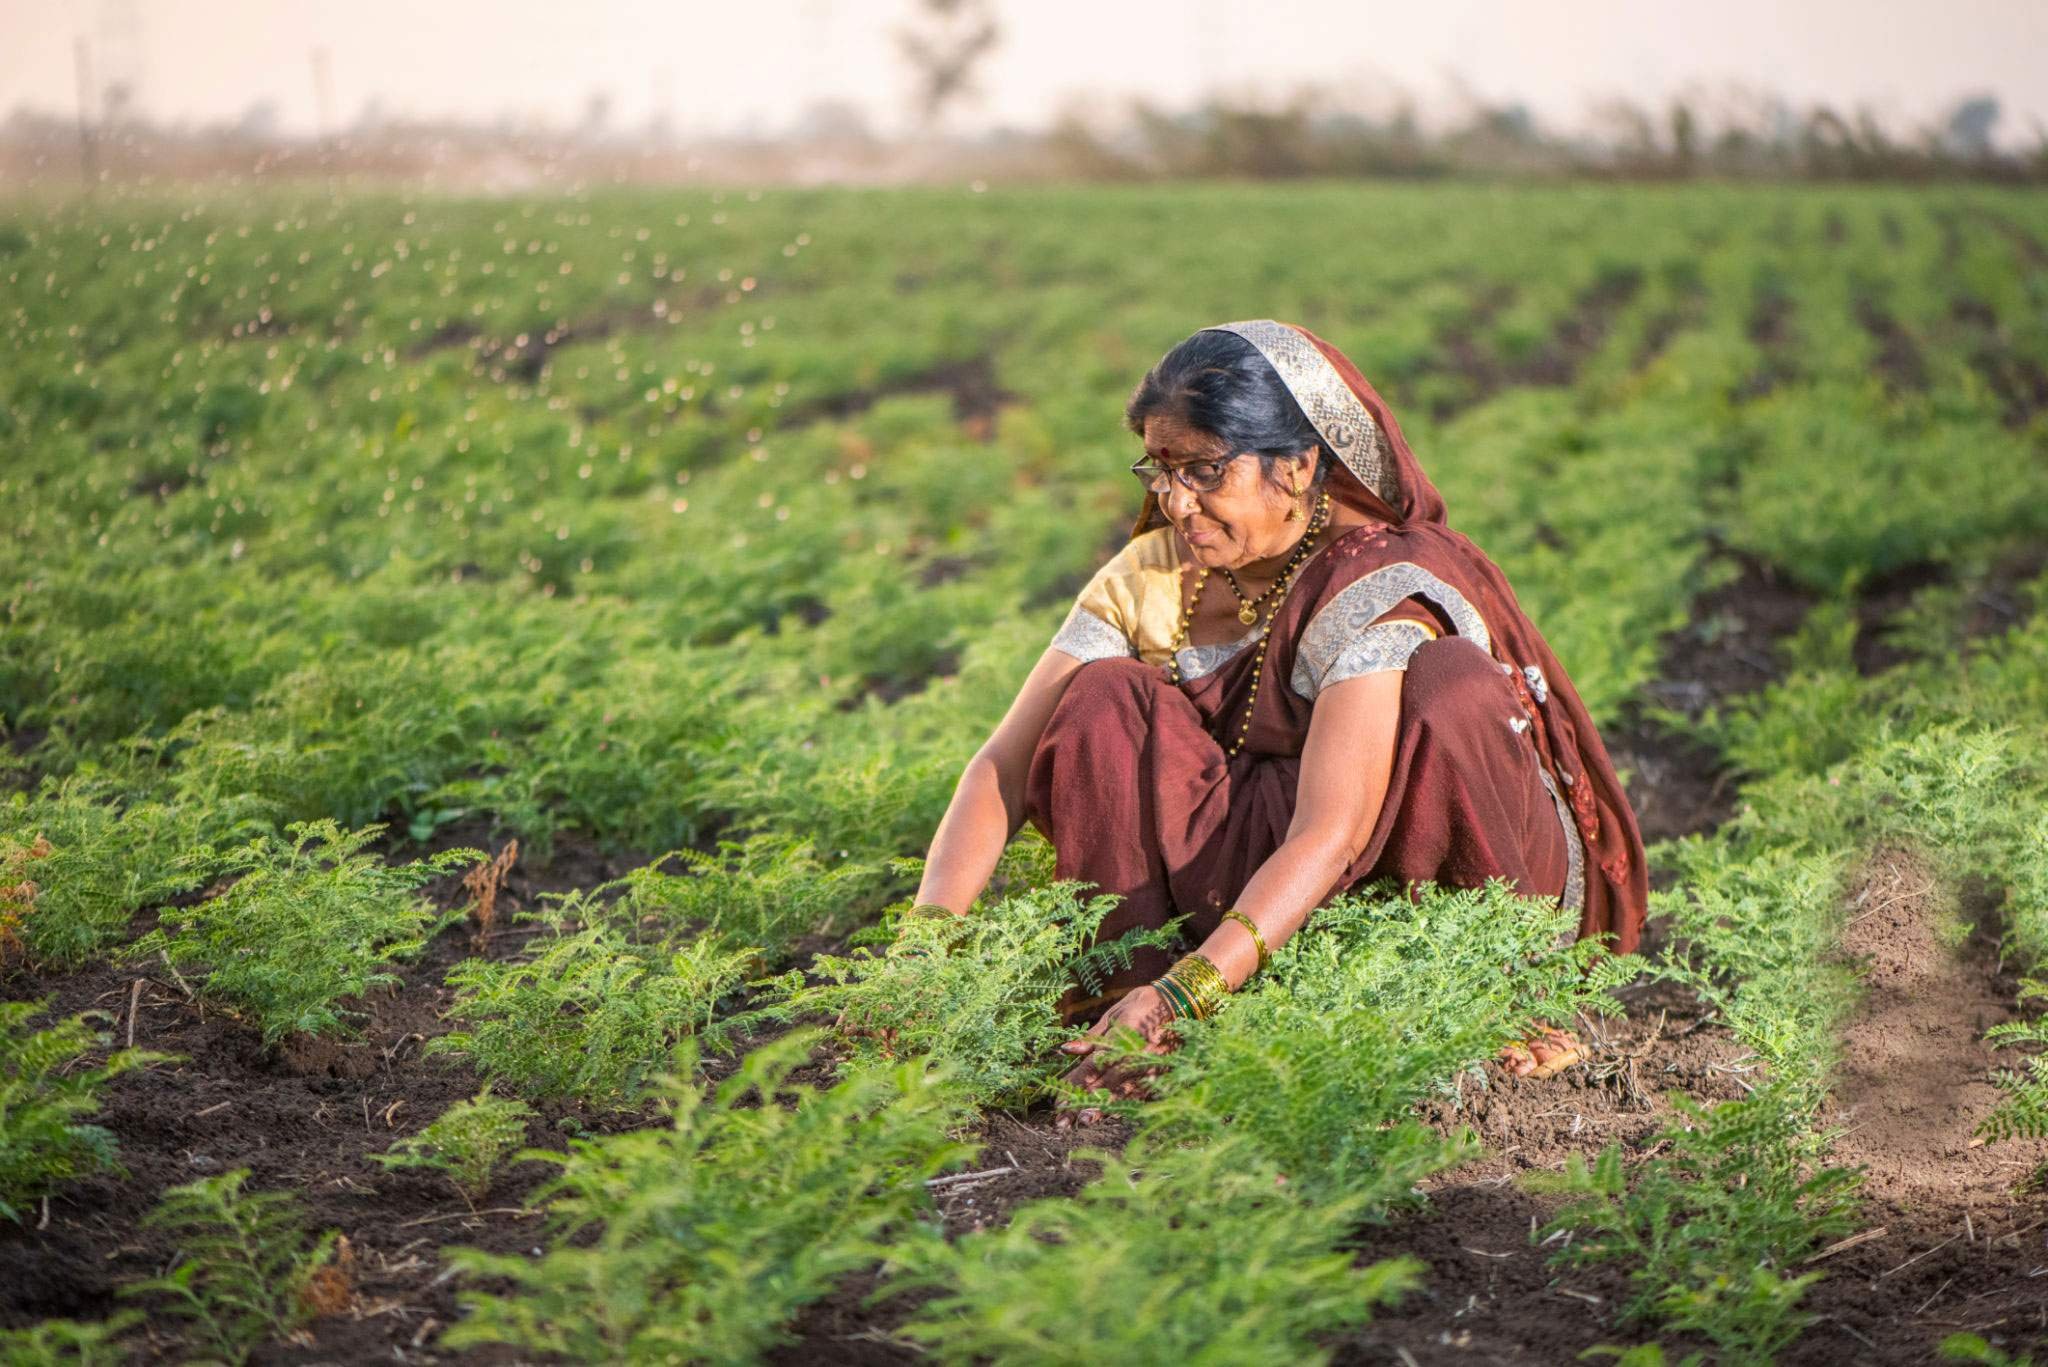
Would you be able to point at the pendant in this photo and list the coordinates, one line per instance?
(1247, 614)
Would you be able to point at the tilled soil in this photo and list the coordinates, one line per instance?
(1947, 1243)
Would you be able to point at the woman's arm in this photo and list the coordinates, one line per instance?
(988, 802)
(1347, 760)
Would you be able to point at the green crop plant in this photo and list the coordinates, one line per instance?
(244, 1264)
(1710, 1230)
(1199, 1255)
(2023, 1112)
(590, 1015)
(310, 921)
(103, 858)
(765, 890)
(698, 1239)
(47, 1089)
(1641, 1355)
(69, 1343)
(465, 1143)
(979, 993)
(1320, 1060)
(1968, 1347)
(1753, 936)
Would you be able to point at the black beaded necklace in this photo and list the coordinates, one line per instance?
(1316, 523)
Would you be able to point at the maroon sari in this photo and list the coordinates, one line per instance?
(1498, 770)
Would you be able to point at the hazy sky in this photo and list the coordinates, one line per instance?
(719, 67)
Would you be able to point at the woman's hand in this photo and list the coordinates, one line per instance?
(1143, 1010)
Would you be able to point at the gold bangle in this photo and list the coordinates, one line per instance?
(1265, 955)
(1203, 981)
(928, 909)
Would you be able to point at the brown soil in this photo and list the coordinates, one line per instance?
(1729, 648)
(1572, 342)
(971, 382)
(1991, 605)
(1899, 361)
(1491, 1293)
(1962, 1246)
(1659, 332)
(1915, 1073)
(1957, 1250)
(1770, 330)
(2019, 381)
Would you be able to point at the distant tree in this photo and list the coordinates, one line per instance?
(944, 44)
(597, 114)
(259, 122)
(1968, 132)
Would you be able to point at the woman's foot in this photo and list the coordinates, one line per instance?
(1544, 1054)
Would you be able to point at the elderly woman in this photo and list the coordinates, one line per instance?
(1293, 679)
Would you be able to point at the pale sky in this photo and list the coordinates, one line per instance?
(722, 67)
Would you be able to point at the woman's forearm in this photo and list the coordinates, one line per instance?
(977, 826)
(1279, 898)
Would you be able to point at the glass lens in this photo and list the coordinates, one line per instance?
(1202, 476)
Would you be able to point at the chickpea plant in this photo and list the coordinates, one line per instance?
(246, 1269)
(311, 921)
(47, 1088)
(591, 1015)
(980, 993)
(697, 1240)
(465, 1144)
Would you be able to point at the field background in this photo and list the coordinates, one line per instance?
(728, 522)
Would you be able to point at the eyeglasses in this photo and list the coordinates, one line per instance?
(1202, 476)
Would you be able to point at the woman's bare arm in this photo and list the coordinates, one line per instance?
(1346, 763)
(988, 802)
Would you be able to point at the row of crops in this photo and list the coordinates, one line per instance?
(708, 533)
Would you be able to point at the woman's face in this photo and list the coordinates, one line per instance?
(1244, 520)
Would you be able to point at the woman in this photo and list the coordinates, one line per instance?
(1295, 678)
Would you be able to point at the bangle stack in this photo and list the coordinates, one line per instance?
(1193, 987)
(926, 911)
(1265, 955)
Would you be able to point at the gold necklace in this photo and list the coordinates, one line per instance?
(1248, 608)
(1286, 581)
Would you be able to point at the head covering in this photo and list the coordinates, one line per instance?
(1377, 474)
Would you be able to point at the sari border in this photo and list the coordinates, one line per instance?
(1342, 620)
(1328, 402)
(1086, 637)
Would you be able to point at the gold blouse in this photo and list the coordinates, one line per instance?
(1133, 603)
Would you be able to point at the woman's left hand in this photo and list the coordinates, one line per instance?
(1143, 1010)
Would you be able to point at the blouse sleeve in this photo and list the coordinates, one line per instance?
(1385, 643)
(1085, 636)
(1129, 607)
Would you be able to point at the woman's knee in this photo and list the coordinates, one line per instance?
(1117, 681)
(1455, 672)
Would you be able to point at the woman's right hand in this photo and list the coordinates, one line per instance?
(1144, 1010)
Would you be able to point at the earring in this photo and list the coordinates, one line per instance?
(1294, 508)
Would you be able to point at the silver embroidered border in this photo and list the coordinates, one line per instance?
(1087, 637)
(1195, 661)
(1360, 603)
(1382, 647)
(1574, 895)
(1327, 401)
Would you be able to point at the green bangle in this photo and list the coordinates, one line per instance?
(1178, 999)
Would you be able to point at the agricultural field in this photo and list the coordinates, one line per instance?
(479, 676)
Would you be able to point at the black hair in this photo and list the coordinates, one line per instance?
(1218, 382)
